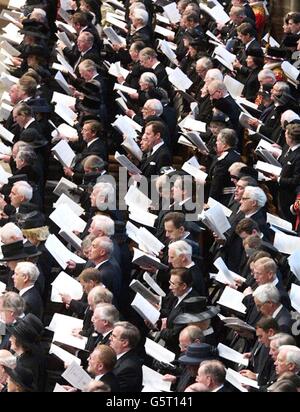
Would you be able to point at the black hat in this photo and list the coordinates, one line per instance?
(17, 178)
(33, 137)
(291, 40)
(18, 251)
(89, 104)
(248, 171)
(255, 52)
(34, 322)
(276, 53)
(285, 99)
(218, 117)
(32, 220)
(197, 353)
(39, 105)
(25, 333)
(186, 318)
(35, 50)
(22, 376)
(35, 28)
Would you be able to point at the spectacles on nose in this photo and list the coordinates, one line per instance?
(245, 198)
(174, 284)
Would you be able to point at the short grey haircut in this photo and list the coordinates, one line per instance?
(14, 302)
(213, 74)
(215, 369)
(24, 189)
(28, 269)
(27, 156)
(205, 62)
(108, 312)
(264, 73)
(267, 293)
(217, 85)
(155, 104)
(104, 223)
(256, 193)
(193, 332)
(88, 64)
(100, 294)
(107, 191)
(283, 86)
(38, 13)
(105, 243)
(149, 77)
(281, 339)
(10, 233)
(129, 333)
(292, 354)
(228, 137)
(7, 359)
(140, 14)
(181, 247)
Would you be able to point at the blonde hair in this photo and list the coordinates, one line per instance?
(37, 234)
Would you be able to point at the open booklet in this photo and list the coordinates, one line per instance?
(145, 309)
(66, 186)
(154, 381)
(227, 353)
(76, 376)
(158, 352)
(64, 153)
(125, 162)
(65, 218)
(232, 299)
(145, 259)
(238, 324)
(65, 284)
(60, 253)
(132, 147)
(138, 287)
(215, 219)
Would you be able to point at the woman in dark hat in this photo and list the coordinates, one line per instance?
(27, 348)
(254, 62)
(20, 380)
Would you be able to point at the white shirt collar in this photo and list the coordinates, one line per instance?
(295, 147)
(275, 313)
(92, 141)
(28, 123)
(183, 296)
(155, 65)
(98, 377)
(22, 291)
(156, 147)
(217, 389)
(248, 44)
(121, 354)
(100, 264)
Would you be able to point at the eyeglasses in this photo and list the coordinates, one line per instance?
(175, 284)
(245, 198)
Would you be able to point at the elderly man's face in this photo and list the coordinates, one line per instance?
(15, 198)
(19, 279)
(96, 251)
(261, 275)
(174, 260)
(281, 364)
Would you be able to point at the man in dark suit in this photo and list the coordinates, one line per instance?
(222, 101)
(177, 302)
(12, 307)
(221, 186)
(93, 144)
(22, 115)
(156, 153)
(124, 340)
(288, 181)
(101, 365)
(148, 59)
(212, 374)
(24, 277)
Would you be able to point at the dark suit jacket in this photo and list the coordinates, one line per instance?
(171, 333)
(289, 180)
(151, 165)
(128, 370)
(221, 186)
(111, 277)
(33, 302)
(252, 85)
(284, 320)
(111, 380)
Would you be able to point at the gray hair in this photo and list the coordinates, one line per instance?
(283, 86)
(149, 77)
(267, 293)
(10, 233)
(205, 62)
(217, 85)
(105, 243)
(129, 333)
(281, 339)
(215, 369)
(7, 359)
(108, 312)
(107, 191)
(228, 137)
(27, 156)
(104, 223)
(181, 247)
(140, 14)
(14, 302)
(28, 269)
(100, 294)
(155, 104)
(292, 354)
(266, 73)
(213, 74)
(193, 332)
(256, 193)
(24, 189)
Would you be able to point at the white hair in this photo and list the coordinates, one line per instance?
(180, 247)
(105, 191)
(10, 233)
(289, 116)
(141, 14)
(24, 189)
(292, 354)
(149, 77)
(256, 193)
(38, 13)
(213, 74)
(28, 269)
(155, 104)
(267, 293)
(104, 223)
(107, 312)
(106, 244)
(266, 73)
